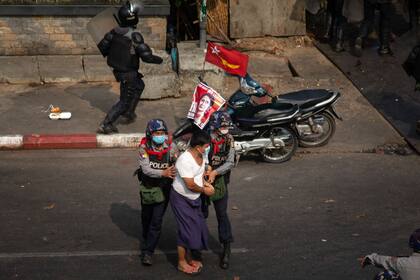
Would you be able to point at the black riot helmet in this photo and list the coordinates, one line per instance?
(128, 14)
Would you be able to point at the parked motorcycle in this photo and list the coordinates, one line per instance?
(315, 125)
(265, 129)
(268, 130)
(275, 129)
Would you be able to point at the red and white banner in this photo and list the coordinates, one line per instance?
(205, 102)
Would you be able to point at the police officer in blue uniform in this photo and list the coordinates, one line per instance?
(221, 161)
(124, 46)
(156, 171)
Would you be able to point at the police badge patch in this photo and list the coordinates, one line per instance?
(143, 154)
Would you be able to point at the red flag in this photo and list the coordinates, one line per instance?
(231, 61)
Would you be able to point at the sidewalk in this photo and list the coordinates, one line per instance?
(22, 105)
(383, 81)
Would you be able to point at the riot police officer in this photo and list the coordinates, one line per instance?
(416, 7)
(387, 11)
(124, 46)
(335, 7)
(221, 161)
(406, 268)
(156, 171)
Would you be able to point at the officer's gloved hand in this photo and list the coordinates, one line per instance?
(156, 59)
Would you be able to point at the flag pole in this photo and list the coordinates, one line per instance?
(203, 24)
(201, 77)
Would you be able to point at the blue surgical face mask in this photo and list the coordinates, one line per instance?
(224, 131)
(159, 139)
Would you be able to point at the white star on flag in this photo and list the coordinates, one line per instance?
(215, 50)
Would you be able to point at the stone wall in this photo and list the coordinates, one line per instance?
(43, 35)
(249, 18)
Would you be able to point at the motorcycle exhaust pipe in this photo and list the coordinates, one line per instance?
(243, 147)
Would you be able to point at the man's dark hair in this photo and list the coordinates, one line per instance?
(199, 138)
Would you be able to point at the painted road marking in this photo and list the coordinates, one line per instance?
(97, 253)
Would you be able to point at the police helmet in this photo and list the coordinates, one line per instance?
(128, 13)
(414, 241)
(387, 275)
(220, 119)
(155, 125)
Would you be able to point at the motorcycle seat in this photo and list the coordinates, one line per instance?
(263, 113)
(305, 98)
(237, 132)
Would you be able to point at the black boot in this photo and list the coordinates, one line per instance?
(146, 259)
(130, 116)
(418, 127)
(385, 37)
(328, 29)
(107, 126)
(385, 50)
(339, 42)
(358, 47)
(224, 261)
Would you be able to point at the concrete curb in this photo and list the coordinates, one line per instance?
(69, 141)
(11, 142)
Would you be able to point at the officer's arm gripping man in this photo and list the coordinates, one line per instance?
(143, 50)
(105, 44)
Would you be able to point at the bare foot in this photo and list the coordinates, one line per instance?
(187, 269)
(196, 264)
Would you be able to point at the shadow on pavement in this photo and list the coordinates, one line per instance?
(98, 96)
(128, 220)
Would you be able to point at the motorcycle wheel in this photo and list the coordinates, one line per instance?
(319, 139)
(281, 154)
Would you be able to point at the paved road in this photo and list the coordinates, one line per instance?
(309, 218)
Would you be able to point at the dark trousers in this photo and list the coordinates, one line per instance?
(387, 11)
(151, 219)
(335, 8)
(224, 227)
(131, 88)
(414, 8)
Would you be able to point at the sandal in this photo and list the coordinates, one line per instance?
(196, 264)
(192, 273)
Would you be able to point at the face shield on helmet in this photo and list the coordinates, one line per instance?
(128, 14)
(136, 6)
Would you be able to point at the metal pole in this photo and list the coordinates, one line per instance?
(203, 24)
